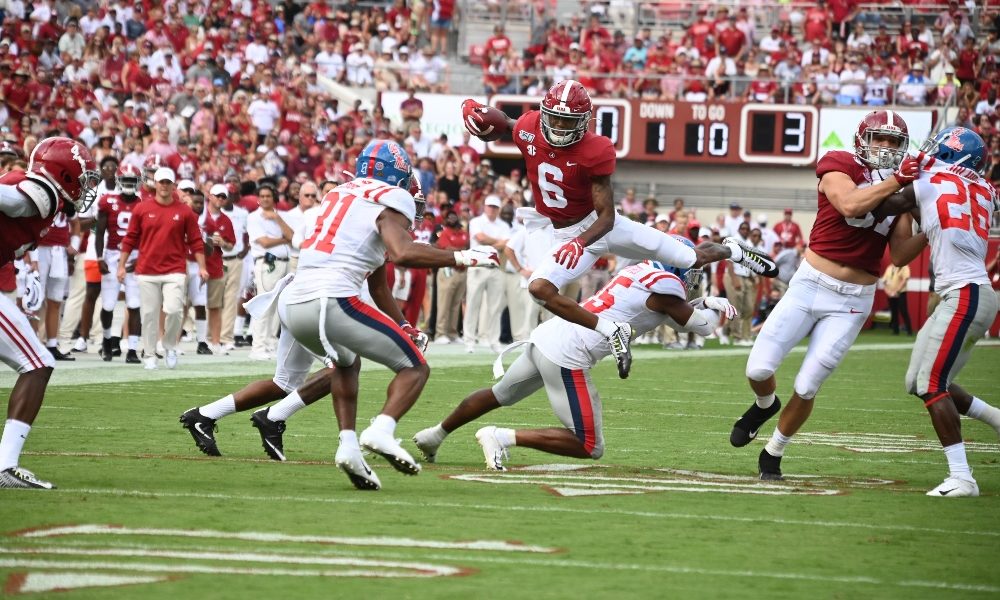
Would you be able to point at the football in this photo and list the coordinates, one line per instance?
(485, 122)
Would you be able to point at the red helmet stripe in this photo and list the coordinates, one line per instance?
(371, 158)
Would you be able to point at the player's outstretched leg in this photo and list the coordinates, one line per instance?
(975, 408)
(201, 421)
(791, 419)
(475, 405)
(270, 421)
(344, 388)
(948, 427)
(22, 408)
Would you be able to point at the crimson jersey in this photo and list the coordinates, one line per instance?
(57, 233)
(561, 177)
(858, 243)
(119, 213)
(20, 234)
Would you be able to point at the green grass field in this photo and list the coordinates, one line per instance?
(670, 511)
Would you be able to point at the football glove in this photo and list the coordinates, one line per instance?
(720, 305)
(568, 255)
(477, 258)
(909, 169)
(419, 338)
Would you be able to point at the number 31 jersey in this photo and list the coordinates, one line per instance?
(622, 300)
(956, 205)
(561, 177)
(344, 246)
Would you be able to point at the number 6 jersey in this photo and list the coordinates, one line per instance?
(956, 205)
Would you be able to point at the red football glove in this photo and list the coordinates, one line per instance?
(909, 169)
(568, 255)
(419, 338)
(472, 118)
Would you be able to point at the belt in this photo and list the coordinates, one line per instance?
(275, 258)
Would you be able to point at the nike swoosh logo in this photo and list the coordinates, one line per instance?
(197, 427)
(276, 451)
(946, 492)
(367, 470)
(753, 433)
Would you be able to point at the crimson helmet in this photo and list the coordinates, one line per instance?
(129, 178)
(881, 123)
(567, 101)
(69, 167)
(149, 167)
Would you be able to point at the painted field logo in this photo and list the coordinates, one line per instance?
(588, 480)
(60, 558)
(884, 442)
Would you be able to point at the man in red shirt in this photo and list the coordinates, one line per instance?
(450, 280)
(789, 231)
(163, 230)
(219, 237)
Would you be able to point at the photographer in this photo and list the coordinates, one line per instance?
(270, 246)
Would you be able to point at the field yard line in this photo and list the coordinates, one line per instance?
(254, 536)
(199, 569)
(420, 568)
(606, 566)
(368, 500)
(851, 459)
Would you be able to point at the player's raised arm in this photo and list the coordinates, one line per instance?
(394, 229)
(485, 122)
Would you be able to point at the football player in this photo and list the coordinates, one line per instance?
(61, 180)
(114, 211)
(955, 207)
(559, 356)
(830, 296)
(570, 169)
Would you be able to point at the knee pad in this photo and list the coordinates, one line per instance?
(808, 381)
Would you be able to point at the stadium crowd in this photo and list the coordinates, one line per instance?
(226, 102)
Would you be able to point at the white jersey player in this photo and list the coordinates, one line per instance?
(361, 223)
(955, 206)
(559, 356)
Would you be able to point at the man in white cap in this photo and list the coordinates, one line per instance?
(162, 230)
(485, 290)
(768, 238)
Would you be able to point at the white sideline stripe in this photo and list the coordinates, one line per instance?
(255, 536)
(500, 508)
(420, 569)
(647, 484)
(160, 568)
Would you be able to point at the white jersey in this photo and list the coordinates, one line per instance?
(344, 246)
(956, 208)
(623, 299)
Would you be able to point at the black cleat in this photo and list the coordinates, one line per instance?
(203, 348)
(270, 433)
(746, 428)
(106, 349)
(18, 478)
(202, 430)
(132, 358)
(116, 346)
(769, 466)
(56, 354)
(239, 341)
(620, 342)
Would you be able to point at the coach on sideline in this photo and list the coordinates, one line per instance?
(270, 245)
(162, 230)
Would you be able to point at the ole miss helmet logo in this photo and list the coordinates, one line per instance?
(954, 141)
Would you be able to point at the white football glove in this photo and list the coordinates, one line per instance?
(477, 258)
(721, 305)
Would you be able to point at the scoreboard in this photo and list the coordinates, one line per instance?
(692, 132)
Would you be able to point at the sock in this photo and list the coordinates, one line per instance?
(14, 434)
(51, 343)
(958, 465)
(201, 330)
(288, 406)
(506, 437)
(385, 423)
(605, 327)
(349, 439)
(765, 401)
(982, 411)
(776, 445)
(107, 333)
(133, 342)
(238, 326)
(438, 433)
(220, 408)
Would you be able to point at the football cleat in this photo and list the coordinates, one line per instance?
(132, 358)
(388, 447)
(751, 258)
(353, 464)
(171, 359)
(80, 345)
(427, 443)
(56, 354)
(620, 349)
(955, 487)
(493, 450)
(203, 348)
(106, 350)
(270, 433)
(202, 430)
(116, 345)
(20, 478)
(746, 428)
(769, 466)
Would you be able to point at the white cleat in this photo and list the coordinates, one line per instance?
(20, 478)
(171, 359)
(259, 355)
(493, 450)
(954, 487)
(427, 443)
(386, 446)
(350, 461)
(80, 345)
(149, 363)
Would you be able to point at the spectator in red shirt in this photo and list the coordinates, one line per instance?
(498, 44)
(219, 237)
(818, 24)
(163, 230)
(788, 231)
(450, 280)
(700, 30)
(593, 34)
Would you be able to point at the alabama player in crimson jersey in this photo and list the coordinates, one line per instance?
(955, 206)
(570, 169)
(61, 180)
(831, 294)
(559, 357)
(114, 212)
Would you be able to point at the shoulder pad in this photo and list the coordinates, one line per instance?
(389, 196)
(41, 193)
